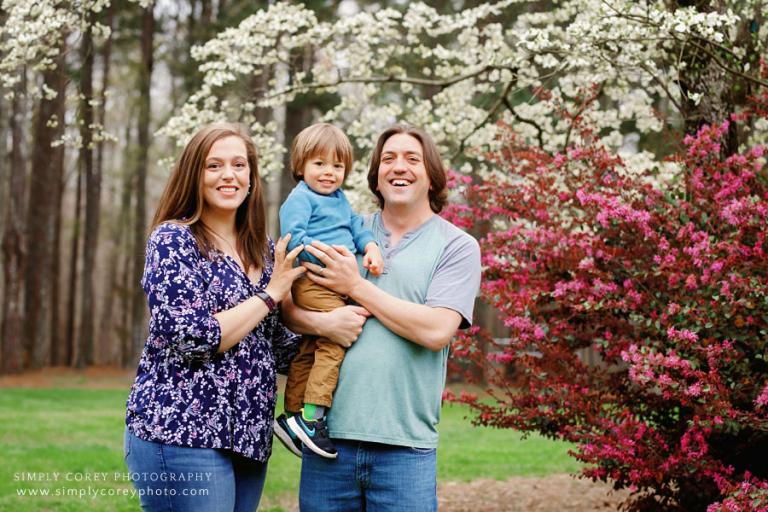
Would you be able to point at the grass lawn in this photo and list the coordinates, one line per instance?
(78, 434)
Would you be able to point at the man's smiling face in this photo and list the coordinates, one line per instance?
(403, 179)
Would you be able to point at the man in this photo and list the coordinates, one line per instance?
(387, 403)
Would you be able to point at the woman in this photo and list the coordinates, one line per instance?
(199, 415)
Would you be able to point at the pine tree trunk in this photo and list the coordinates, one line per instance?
(4, 177)
(138, 303)
(42, 222)
(205, 14)
(126, 243)
(722, 93)
(13, 357)
(72, 348)
(298, 115)
(58, 352)
(120, 247)
(108, 347)
(92, 196)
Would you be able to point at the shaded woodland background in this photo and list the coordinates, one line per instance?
(74, 215)
(81, 169)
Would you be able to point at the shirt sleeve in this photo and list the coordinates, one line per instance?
(285, 344)
(294, 218)
(456, 281)
(176, 291)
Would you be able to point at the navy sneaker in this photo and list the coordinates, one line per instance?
(314, 434)
(286, 435)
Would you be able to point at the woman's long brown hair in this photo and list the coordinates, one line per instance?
(182, 200)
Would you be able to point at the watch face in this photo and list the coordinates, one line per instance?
(268, 300)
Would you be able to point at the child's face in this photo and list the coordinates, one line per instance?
(324, 173)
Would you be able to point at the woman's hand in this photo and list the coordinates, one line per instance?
(283, 273)
(340, 273)
(343, 325)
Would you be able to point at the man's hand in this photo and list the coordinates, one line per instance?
(373, 260)
(340, 273)
(343, 325)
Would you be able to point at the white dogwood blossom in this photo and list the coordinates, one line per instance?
(457, 75)
(30, 41)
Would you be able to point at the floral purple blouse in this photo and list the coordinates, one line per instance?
(185, 392)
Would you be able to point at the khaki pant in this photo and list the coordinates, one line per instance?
(314, 371)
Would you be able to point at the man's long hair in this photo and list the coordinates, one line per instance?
(438, 193)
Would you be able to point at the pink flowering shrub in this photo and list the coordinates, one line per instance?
(667, 287)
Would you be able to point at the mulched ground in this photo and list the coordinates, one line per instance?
(554, 493)
(95, 377)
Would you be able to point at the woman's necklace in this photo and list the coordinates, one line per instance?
(234, 254)
(254, 276)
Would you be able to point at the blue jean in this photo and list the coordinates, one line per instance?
(178, 478)
(369, 477)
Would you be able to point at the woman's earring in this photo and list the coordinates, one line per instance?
(249, 190)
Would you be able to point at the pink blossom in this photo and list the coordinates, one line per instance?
(694, 389)
(762, 399)
(682, 335)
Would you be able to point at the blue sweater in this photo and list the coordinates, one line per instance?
(310, 216)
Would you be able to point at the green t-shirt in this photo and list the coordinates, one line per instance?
(389, 388)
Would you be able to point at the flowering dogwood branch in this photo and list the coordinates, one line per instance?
(304, 87)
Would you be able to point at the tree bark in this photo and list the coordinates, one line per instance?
(58, 351)
(722, 92)
(13, 240)
(92, 196)
(108, 347)
(125, 242)
(120, 247)
(4, 178)
(71, 348)
(42, 220)
(205, 14)
(40, 228)
(138, 306)
(298, 115)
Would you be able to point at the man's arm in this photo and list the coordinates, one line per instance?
(342, 325)
(430, 327)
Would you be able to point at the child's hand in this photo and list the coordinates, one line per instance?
(373, 260)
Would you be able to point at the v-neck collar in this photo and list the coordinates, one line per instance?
(407, 236)
(259, 284)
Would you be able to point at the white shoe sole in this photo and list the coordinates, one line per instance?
(285, 438)
(296, 428)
